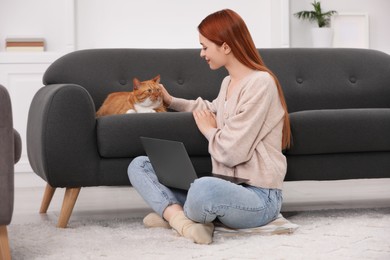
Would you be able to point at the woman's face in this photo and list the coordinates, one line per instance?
(212, 53)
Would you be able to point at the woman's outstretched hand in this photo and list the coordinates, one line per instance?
(167, 98)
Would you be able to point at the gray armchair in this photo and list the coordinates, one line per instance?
(10, 151)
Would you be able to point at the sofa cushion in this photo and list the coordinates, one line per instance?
(118, 135)
(340, 131)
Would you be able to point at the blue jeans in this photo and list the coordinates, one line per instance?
(208, 199)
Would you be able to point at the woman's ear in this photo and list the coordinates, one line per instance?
(226, 48)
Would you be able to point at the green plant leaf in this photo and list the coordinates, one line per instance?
(322, 19)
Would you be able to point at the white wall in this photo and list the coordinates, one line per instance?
(78, 24)
(377, 10)
(52, 20)
(168, 23)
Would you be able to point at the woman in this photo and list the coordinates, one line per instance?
(247, 127)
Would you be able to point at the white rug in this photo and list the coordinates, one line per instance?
(331, 234)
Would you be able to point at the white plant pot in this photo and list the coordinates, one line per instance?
(322, 37)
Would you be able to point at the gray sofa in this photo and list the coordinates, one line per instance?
(338, 99)
(10, 151)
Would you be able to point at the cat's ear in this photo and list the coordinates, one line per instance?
(157, 79)
(136, 84)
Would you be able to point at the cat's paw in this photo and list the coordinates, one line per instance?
(146, 111)
(131, 111)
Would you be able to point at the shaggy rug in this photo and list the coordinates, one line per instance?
(327, 234)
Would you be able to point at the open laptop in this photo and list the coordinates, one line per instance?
(173, 165)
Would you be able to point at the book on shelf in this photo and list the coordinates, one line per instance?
(24, 44)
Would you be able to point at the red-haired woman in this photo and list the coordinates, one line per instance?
(247, 127)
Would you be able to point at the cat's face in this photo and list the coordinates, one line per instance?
(148, 92)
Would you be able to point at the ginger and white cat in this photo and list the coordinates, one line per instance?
(146, 97)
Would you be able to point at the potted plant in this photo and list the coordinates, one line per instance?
(322, 35)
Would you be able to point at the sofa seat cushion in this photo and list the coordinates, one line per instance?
(340, 131)
(118, 135)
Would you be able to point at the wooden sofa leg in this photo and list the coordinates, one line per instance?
(49, 192)
(70, 198)
(5, 253)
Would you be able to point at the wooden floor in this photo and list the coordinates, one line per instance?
(118, 202)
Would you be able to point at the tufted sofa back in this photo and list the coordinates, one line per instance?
(315, 79)
(102, 71)
(311, 78)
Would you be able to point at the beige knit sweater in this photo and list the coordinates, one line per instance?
(248, 138)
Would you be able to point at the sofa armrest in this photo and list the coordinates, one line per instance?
(61, 136)
(6, 158)
(17, 146)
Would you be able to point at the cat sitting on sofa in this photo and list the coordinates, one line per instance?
(146, 97)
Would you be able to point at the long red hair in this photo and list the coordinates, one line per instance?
(226, 26)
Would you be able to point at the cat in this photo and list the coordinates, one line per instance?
(146, 97)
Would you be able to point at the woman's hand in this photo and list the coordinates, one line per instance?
(167, 99)
(205, 120)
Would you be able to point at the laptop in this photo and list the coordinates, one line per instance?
(173, 165)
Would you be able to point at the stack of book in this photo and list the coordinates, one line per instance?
(25, 44)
